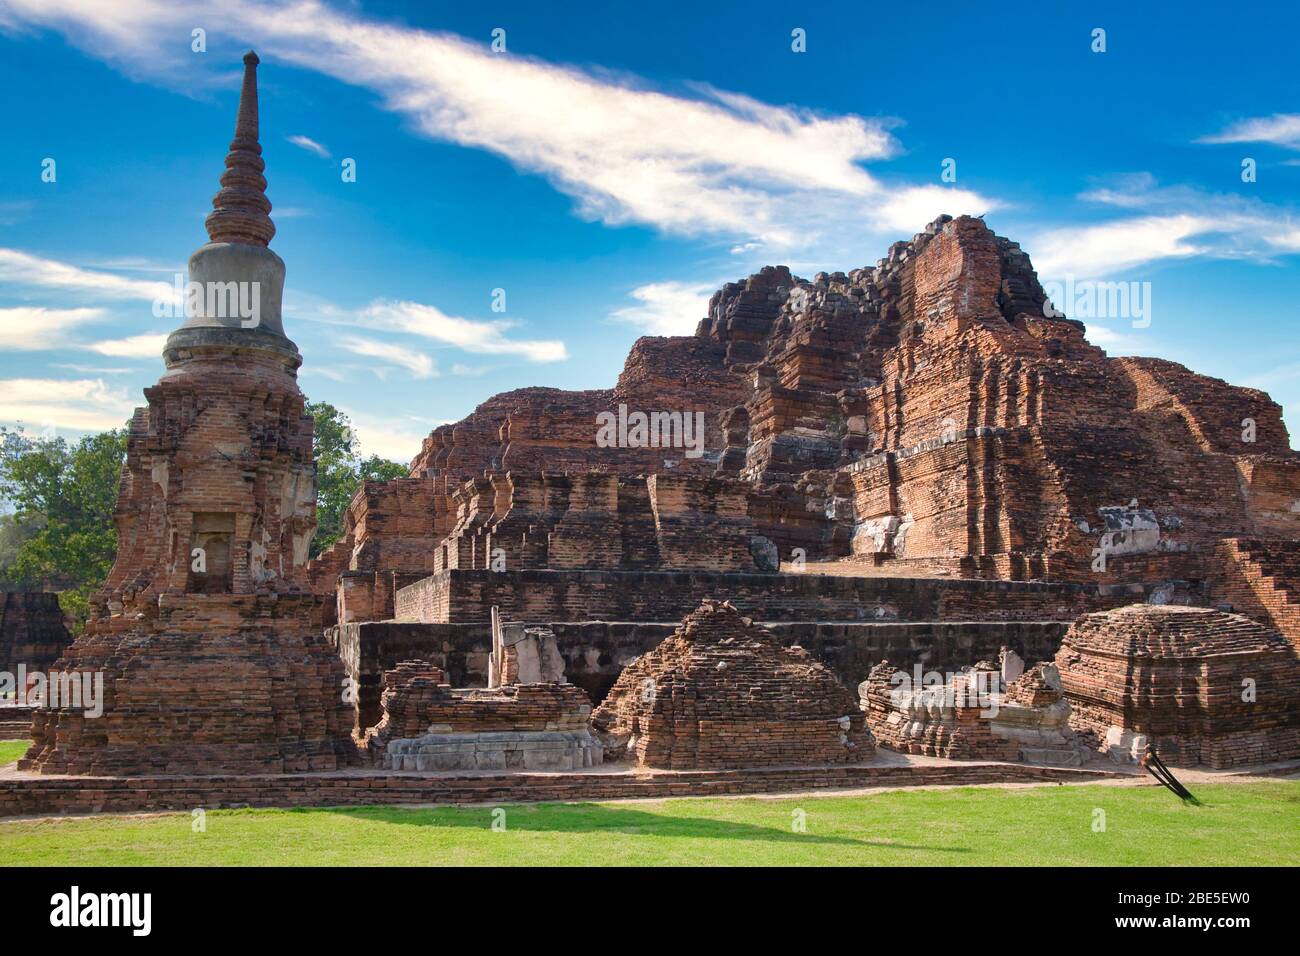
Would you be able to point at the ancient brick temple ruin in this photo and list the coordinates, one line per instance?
(915, 464)
(722, 692)
(929, 413)
(920, 461)
(207, 633)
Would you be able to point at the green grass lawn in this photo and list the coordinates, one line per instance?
(1237, 825)
(11, 750)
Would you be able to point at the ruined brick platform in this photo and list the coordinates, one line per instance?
(30, 794)
(208, 684)
(16, 721)
(931, 410)
(979, 714)
(428, 725)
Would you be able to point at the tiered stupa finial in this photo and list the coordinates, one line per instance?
(240, 211)
(238, 278)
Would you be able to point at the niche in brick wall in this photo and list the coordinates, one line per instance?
(212, 542)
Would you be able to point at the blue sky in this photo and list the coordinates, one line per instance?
(613, 166)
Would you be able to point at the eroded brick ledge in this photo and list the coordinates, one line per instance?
(24, 794)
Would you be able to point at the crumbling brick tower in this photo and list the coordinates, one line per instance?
(206, 633)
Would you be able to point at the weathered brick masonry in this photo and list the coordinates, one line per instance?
(71, 795)
(545, 595)
(928, 416)
(427, 725)
(930, 410)
(1261, 579)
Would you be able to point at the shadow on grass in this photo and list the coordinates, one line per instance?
(595, 819)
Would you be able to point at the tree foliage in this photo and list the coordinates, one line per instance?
(340, 470)
(60, 535)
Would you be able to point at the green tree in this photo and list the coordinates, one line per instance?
(61, 534)
(340, 470)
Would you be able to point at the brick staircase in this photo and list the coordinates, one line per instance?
(1261, 579)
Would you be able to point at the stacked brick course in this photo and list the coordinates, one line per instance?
(586, 595)
(59, 795)
(593, 520)
(1201, 685)
(417, 697)
(595, 652)
(1261, 579)
(722, 692)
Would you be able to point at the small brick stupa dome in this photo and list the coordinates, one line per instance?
(1201, 685)
(723, 692)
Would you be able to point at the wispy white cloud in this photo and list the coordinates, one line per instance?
(138, 264)
(47, 327)
(1166, 222)
(706, 162)
(1119, 342)
(134, 346)
(92, 369)
(36, 328)
(1108, 247)
(1287, 373)
(1280, 129)
(667, 308)
(397, 437)
(486, 338)
(324, 371)
(72, 404)
(24, 270)
(417, 363)
(309, 144)
(15, 210)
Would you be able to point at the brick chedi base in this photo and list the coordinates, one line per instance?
(723, 692)
(1202, 686)
(212, 684)
(206, 635)
(427, 725)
